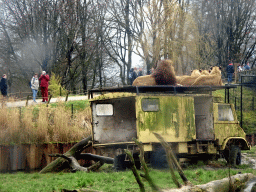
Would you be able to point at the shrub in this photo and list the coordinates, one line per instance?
(55, 87)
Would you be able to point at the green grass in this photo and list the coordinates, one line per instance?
(77, 105)
(105, 181)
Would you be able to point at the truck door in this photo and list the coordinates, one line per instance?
(114, 120)
(204, 117)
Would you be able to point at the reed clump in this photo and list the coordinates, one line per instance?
(42, 124)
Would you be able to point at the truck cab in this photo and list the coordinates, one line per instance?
(188, 118)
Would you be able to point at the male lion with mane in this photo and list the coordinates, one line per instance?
(164, 74)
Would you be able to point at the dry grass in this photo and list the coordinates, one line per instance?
(42, 124)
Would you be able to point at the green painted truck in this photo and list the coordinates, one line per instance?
(189, 118)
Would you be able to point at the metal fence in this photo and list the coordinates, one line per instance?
(242, 103)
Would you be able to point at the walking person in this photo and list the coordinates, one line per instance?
(4, 85)
(34, 86)
(230, 72)
(44, 78)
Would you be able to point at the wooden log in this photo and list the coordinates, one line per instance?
(60, 163)
(73, 163)
(217, 185)
(90, 156)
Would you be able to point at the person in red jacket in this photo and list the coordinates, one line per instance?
(44, 78)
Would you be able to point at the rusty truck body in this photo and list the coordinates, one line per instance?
(189, 118)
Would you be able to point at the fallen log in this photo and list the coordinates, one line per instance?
(107, 160)
(69, 159)
(73, 163)
(222, 185)
(62, 163)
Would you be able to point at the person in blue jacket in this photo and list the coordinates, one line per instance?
(230, 72)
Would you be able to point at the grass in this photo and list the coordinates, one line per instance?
(106, 180)
(60, 122)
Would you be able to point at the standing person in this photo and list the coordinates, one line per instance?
(243, 67)
(230, 72)
(4, 85)
(132, 75)
(34, 86)
(151, 71)
(247, 67)
(140, 72)
(44, 78)
(239, 68)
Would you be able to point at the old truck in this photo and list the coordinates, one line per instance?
(195, 124)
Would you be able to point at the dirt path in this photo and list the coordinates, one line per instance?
(249, 159)
(39, 101)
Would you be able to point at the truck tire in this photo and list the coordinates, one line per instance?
(235, 155)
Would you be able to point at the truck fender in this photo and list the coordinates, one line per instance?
(237, 141)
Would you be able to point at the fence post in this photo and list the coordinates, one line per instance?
(72, 110)
(235, 104)
(66, 98)
(27, 100)
(20, 113)
(49, 100)
(225, 95)
(241, 102)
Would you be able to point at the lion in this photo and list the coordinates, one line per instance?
(180, 78)
(164, 74)
(205, 72)
(189, 80)
(195, 72)
(214, 78)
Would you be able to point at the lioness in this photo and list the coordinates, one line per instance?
(214, 78)
(205, 72)
(189, 80)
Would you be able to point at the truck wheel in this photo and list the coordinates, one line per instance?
(158, 159)
(235, 155)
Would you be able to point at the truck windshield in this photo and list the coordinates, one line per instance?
(104, 110)
(225, 113)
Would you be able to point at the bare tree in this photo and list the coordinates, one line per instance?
(232, 28)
